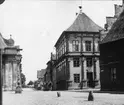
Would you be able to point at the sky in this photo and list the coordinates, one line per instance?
(35, 25)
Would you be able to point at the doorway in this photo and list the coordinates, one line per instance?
(90, 79)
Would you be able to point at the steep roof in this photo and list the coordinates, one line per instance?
(117, 30)
(84, 24)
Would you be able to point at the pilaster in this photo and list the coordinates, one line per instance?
(67, 43)
(83, 72)
(96, 72)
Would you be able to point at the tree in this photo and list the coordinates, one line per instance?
(30, 83)
(23, 79)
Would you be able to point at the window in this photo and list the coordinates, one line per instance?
(77, 78)
(88, 45)
(75, 45)
(63, 49)
(89, 62)
(113, 74)
(76, 62)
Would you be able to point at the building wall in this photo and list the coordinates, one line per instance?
(110, 60)
(62, 73)
(11, 71)
(118, 10)
(74, 70)
(83, 43)
(10, 75)
(61, 48)
(54, 78)
(111, 20)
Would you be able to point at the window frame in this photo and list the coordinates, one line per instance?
(76, 78)
(89, 61)
(88, 46)
(75, 45)
(76, 62)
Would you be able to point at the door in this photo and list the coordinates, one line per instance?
(89, 79)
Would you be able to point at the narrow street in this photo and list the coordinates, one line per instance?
(32, 97)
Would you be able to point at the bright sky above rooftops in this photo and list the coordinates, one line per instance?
(36, 25)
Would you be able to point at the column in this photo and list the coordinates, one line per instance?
(83, 72)
(81, 44)
(6, 75)
(95, 72)
(18, 84)
(4, 81)
(67, 72)
(14, 75)
(67, 43)
(18, 74)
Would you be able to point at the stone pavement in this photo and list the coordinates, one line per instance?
(32, 97)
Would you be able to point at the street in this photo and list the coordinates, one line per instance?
(33, 97)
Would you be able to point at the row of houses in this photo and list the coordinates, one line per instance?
(79, 62)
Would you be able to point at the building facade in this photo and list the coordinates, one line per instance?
(77, 55)
(50, 75)
(112, 57)
(41, 79)
(11, 64)
(110, 20)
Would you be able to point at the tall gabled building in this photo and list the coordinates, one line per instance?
(77, 51)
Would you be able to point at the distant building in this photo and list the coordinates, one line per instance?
(77, 55)
(50, 75)
(41, 78)
(112, 57)
(11, 64)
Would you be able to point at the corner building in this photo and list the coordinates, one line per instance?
(77, 53)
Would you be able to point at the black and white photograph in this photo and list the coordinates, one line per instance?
(61, 52)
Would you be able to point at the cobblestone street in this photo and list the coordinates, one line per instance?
(32, 97)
